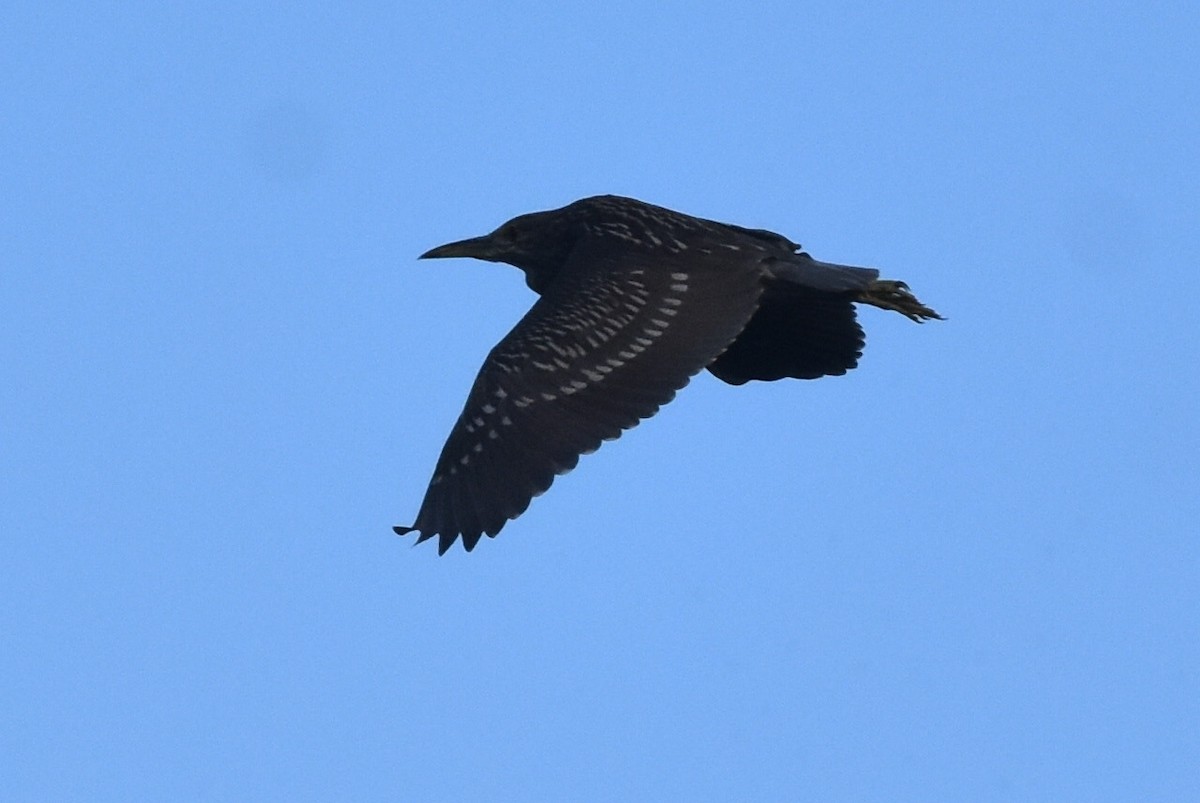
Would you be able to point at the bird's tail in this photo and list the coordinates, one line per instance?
(895, 296)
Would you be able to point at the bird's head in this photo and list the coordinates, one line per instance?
(537, 243)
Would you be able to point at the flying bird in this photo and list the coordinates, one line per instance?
(634, 300)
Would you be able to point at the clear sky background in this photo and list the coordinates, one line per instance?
(967, 570)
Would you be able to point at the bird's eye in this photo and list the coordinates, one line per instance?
(509, 233)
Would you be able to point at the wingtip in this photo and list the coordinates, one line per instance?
(444, 543)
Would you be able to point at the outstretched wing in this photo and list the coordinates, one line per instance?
(805, 325)
(611, 340)
(796, 332)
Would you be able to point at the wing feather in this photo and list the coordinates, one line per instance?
(612, 339)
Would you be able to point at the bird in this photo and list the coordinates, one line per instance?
(634, 300)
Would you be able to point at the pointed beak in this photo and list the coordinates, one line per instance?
(476, 247)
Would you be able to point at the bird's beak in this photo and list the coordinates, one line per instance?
(476, 247)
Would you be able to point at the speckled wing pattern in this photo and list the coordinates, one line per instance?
(612, 339)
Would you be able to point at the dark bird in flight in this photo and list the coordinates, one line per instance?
(635, 300)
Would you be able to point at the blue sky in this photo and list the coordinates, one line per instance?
(967, 570)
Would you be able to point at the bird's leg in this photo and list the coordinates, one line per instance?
(895, 296)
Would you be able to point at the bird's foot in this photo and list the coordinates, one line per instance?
(893, 295)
